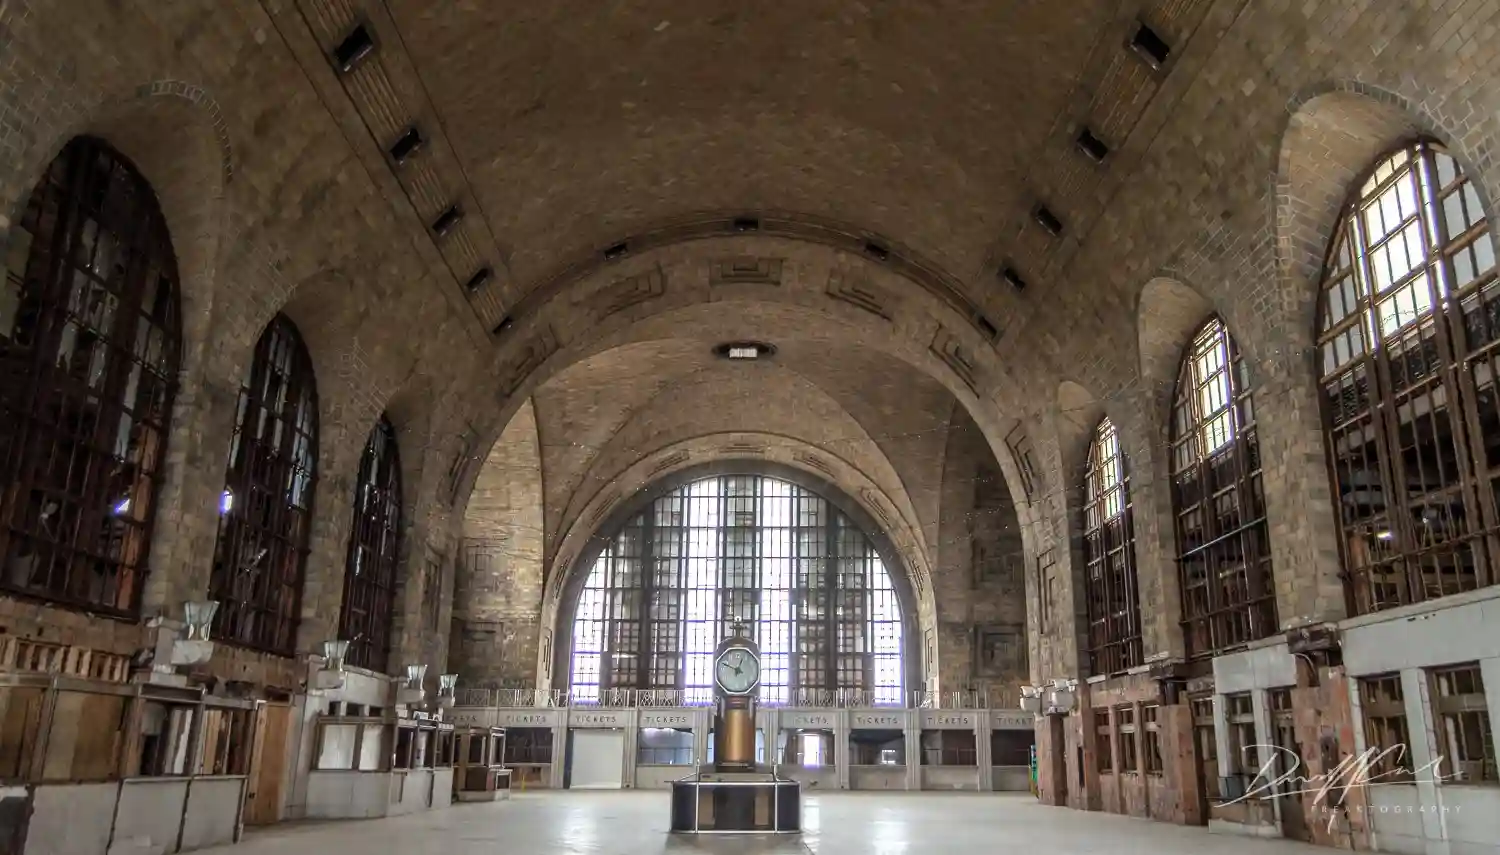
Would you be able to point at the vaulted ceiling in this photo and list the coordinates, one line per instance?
(580, 123)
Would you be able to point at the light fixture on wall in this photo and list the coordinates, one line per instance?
(1031, 699)
(447, 690)
(199, 617)
(410, 690)
(192, 646)
(331, 675)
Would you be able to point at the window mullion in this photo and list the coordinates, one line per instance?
(644, 621)
(831, 597)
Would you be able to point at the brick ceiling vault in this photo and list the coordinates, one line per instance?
(559, 147)
(866, 335)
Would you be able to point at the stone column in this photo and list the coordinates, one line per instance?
(982, 756)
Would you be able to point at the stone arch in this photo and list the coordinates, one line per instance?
(1168, 313)
(174, 132)
(833, 285)
(1334, 134)
(894, 512)
(1078, 413)
(571, 568)
(807, 414)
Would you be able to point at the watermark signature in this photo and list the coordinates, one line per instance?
(1282, 775)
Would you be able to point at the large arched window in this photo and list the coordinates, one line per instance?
(1223, 557)
(265, 510)
(669, 585)
(89, 349)
(370, 571)
(1114, 609)
(1409, 319)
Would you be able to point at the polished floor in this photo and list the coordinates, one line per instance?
(635, 823)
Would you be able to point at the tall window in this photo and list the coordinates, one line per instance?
(266, 507)
(671, 583)
(1114, 610)
(1410, 317)
(1223, 557)
(88, 368)
(370, 572)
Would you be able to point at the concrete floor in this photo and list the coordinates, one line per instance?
(635, 823)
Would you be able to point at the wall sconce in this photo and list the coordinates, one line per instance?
(1031, 699)
(447, 690)
(331, 675)
(410, 690)
(193, 647)
(1062, 697)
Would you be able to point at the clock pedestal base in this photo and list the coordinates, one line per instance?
(753, 802)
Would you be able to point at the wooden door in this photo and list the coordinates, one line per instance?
(268, 762)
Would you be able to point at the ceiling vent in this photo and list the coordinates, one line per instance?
(447, 221)
(408, 145)
(1150, 46)
(1092, 147)
(481, 276)
(1047, 220)
(354, 49)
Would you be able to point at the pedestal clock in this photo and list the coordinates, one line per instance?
(736, 679)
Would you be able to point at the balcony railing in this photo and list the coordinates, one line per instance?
(816, 698)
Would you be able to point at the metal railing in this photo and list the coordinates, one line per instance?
(814, 698)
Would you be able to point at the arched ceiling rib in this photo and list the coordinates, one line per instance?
(625, 404)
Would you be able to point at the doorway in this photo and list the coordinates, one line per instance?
(1289, 767)
(596, 760)
(268, 756)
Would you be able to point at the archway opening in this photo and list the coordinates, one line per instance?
(809, 583)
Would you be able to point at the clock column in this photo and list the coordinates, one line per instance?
(736, 679)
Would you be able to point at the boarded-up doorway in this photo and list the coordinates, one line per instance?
(268, 765)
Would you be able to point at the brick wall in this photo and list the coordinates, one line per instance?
(498, 593)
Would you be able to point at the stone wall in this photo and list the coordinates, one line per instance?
(498, 591)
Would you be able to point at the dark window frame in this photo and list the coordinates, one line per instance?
(368, 609)
(1440, 533)
(1125, 729)
(1206, 743)
(1244, 745)
(1150, 713)
(80, 535)
(1104, 739)
(1110, 580)
(1382, 701)
(634, 607)
(1466, 735)
(266, 509)
(1218, 500)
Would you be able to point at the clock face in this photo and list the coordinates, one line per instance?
(737, 671)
